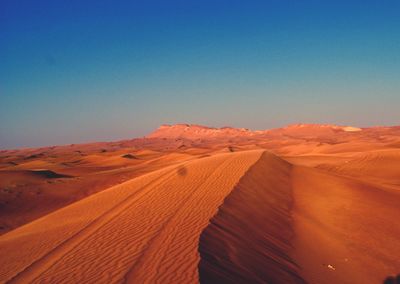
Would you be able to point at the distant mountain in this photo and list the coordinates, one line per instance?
(193, 131)
(177, 136)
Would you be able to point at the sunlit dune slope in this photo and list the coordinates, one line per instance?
(249, 240)
(144, 230)
(29, 190)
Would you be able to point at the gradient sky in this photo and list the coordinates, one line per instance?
(78, 71)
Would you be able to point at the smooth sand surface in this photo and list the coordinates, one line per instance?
(143, 231)
(345, 231)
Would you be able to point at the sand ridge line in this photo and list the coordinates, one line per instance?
(168, 272)
(249, 239)
(131, 275)
(39, 266)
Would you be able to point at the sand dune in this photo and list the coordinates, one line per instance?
(143, 230)
(295, 224)
(190, 203)
(249, 240)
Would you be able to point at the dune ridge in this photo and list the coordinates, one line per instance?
(249, 239)
(145, 230)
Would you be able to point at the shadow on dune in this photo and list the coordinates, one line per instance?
(129, 156)
(248, 241)
(392, 280)
(34, 156)
(182, 171)
(49, 174)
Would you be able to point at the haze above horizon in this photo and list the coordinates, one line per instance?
(78, 71)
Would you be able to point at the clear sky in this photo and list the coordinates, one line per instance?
(78, 71)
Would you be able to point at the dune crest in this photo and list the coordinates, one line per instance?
(249, 240)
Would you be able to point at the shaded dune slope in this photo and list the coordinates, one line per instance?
(249, 239)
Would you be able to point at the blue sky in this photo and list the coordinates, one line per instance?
(78, 71)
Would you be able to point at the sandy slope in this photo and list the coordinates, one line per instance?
(289, 224)
(27, 194)
(381, 166)
(346, 231)
(249, 240)
(144, 230)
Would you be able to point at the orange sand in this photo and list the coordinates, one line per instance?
(191, 203)
(144, 229)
